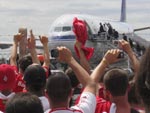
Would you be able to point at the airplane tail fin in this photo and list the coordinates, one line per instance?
(123, 11)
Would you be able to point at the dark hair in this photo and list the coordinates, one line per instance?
(143, 78)
(24, 103)
(35, 77)
(24, 62)
(72, 77)
(116, 81)
(58, 87)
(133, 97)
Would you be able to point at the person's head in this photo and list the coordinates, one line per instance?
(24, 62)
(72, 77)
(59, 88)
(35, 78)
(116, 82)
(133, 97)
(143, 78)
(7, 77)
(24, 103)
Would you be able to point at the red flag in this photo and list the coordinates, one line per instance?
(81, 35)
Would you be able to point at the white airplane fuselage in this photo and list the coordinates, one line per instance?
(61, 34)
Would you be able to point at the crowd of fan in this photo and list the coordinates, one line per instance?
(28, 86)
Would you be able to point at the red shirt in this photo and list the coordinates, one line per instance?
(102, 105)
(20, 83)
(46, 71)
(2, 105)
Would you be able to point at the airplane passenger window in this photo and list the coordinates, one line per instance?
(66, 28)
(58, 29)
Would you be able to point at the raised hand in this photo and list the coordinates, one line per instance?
(125, 46)
(18, 37)
(43, 39)
(65, 54)
(78, 44)
(111, 56)
(31, 41)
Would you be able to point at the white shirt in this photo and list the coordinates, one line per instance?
(87, 104)
(113, 108)
(45, 103)
(2, 96)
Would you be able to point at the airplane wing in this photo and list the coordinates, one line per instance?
(141, 41)
(5, 45)
(143, 28)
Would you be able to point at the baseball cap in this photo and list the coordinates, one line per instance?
(7, 77)
(35, 75)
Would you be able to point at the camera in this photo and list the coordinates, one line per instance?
(54, 53)
(115, 42)
(121, 54)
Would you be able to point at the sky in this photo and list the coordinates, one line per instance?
(39, 14)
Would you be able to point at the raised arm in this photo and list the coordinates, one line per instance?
(109, 58)
(134, 61)
(32, 48)
(65, 55)
(44, 41)
(83, 61)
(16, 39)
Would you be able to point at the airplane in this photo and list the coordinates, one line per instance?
(61, 34)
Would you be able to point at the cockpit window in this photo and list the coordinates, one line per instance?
(58, 29)
(66, 28)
